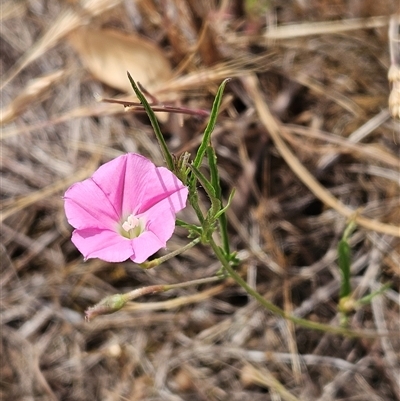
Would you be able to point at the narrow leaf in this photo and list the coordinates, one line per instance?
(216, 183)
(344, 252)
(204, 182)
(224, 209)
(167, 155)
(211, 124)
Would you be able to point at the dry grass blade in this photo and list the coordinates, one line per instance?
(67, 21)
(330, 390)
(8, 208)
(95, 110)
(392, 368)
(341, 100)
(262, 377)
(394, 98)
(394, 70)
(12, 9)
(271, 125)
(326, 83)
(176, 302)
(358, 136)
(36, 90)
(342, 145)
(323, 28)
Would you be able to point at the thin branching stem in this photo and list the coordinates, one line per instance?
(280, 312)
(162, 259)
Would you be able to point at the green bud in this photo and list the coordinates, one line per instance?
(106, 306)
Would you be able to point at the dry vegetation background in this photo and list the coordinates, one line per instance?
(328, 90)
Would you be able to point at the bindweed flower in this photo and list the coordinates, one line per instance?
(125, 210)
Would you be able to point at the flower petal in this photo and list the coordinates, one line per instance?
(159, 229)
(127, 185)
(162, 185)
(123, 180)
(134, 184)
(106, 245)
(161, 221)
(86, 205)
(145, 245)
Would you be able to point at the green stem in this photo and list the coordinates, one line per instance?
(223, 224)
(216, 183)
(158, 261)
(194, 202)
(280, 312)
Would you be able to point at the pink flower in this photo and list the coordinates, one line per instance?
(125, 210)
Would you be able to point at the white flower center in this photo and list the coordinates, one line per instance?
(133, 226)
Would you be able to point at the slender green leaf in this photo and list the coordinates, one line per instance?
(211, 124)
(194, 230)
(224, 209)
(167, 155)
(194, 197)
(214, 175)
(203, 181)
(344, 252)
(368, 298)
(216, 183)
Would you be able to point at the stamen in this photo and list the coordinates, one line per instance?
(130, 223)
(133, 226)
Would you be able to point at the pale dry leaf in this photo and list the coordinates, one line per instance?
(109, 54)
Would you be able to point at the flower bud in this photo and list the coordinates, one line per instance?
(106, 306)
